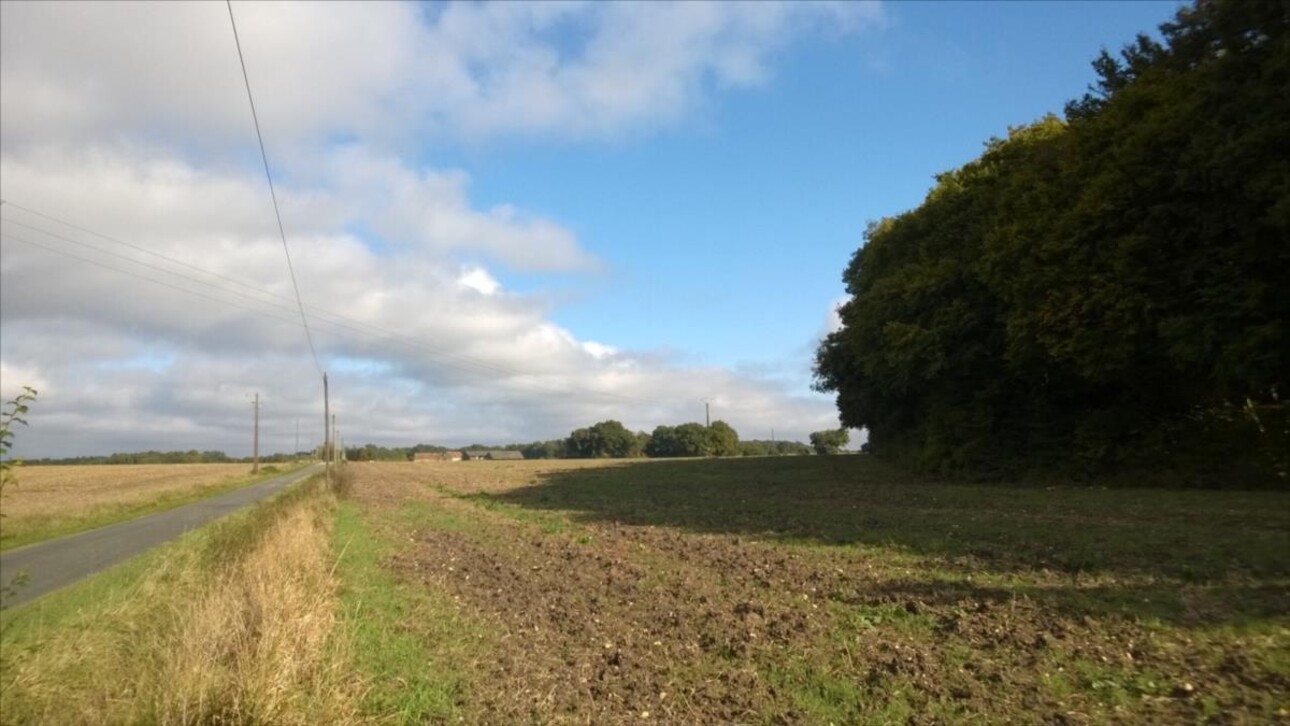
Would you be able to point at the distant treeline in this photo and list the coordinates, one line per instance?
(610, 439)
(165, 457)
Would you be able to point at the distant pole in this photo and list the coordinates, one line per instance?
(296, 451)
(326, 452)
(255, 445)
(707, 417)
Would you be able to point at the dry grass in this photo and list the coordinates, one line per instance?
(233, 625)
(255, 648)
(44, 491)
(52, 501)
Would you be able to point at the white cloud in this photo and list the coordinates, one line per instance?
(478, 279)
(130, 119)
(386, 71)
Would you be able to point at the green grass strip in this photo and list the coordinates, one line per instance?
(408, 642)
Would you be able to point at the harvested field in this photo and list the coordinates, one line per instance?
(829, 589)
(53, 500)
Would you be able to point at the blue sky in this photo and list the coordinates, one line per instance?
(563, 212)
(725, 237)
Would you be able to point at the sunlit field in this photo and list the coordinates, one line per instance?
(48, 501)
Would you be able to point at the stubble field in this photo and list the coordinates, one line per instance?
(51, 500)
(807, 590)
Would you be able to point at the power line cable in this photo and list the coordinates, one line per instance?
(100, 263)
(338, 326)
(272, 194)
(139, 248)
(364, 328)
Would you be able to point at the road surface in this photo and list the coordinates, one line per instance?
(60, 562)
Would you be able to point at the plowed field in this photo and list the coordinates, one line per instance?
(818, 590)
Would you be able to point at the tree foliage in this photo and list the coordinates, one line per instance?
(13, 412)
(1101, 293)
(607, 439)
(694, 439)
(761, 447)
(829, 441)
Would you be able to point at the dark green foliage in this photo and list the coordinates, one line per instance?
(829, 441)
(758, 447)
(544, 450)
(694, 439)
(1099, 295)
(192, 456)
(607, 439)
(725, 441)
(372, 452)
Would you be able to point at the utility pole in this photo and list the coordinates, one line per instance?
(326, 430)
(707, 418)
(255, 445)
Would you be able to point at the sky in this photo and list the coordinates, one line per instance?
(505, 221)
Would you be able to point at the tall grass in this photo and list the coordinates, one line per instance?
(232, 624)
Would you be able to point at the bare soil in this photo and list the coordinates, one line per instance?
(606, 620)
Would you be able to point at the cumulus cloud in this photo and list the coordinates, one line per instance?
(387, 71)
(148, 321)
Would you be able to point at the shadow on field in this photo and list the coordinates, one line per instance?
(1143, 544)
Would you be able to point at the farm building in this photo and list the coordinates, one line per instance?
(437, 456)
(495, 455)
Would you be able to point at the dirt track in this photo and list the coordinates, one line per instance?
(599, 622)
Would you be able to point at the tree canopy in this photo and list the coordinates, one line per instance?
(694, 439)
(829, 441)
(607, 439)
(1100, 293)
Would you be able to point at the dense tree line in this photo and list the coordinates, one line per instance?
(146, 457)
(760, 447)
(1097, 294)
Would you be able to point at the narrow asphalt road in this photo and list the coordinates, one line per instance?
(60, 562)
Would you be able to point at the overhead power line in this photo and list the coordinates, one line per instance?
(272, 194)
(336, 324)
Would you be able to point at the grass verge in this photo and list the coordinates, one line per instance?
(232, 623)
(408, 642)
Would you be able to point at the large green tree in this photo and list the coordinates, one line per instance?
(829, 441)
(1097, 293)
(693, 439)
(607, 439)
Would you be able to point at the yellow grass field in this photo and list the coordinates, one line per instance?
(54, 500)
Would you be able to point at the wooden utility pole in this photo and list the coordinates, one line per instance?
(255, 445)
(326, 430)
(707, 418)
